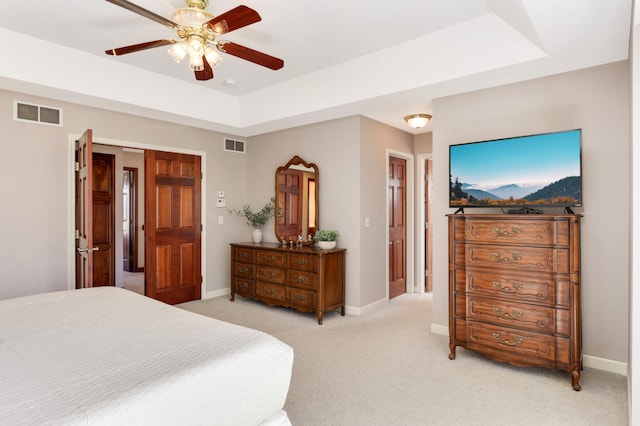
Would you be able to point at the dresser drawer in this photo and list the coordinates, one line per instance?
(543, 232)
(243, 270)
(272, 275)
(514, 287)
(270, 291)
(242, 254)
(271, 258)
(519, 259)
(243, 287)
(302, 279)
(301, 297)
(303, 262)
(521, 342)
(531, 317)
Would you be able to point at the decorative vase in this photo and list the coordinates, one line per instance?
(327, 245)
(256, 236)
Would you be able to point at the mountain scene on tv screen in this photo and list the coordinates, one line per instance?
(563, 192)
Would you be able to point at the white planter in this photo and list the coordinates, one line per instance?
(256, 236)
(326, 245)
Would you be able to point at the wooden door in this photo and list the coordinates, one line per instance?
(397, 234)
(103, 218)
(84, 211)
(172, 226)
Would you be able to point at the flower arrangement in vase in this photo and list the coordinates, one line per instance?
(326, 239)
(256, 220)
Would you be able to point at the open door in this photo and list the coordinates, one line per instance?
(172, 226)
(84, 211)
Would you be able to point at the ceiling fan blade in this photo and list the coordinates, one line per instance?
(206, 73)
(144, 12)
(250, 55)
(233, 19)
(138, 47)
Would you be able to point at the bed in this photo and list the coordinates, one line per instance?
(105, 356)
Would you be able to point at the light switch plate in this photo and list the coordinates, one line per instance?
(221, 203)
(220, 194)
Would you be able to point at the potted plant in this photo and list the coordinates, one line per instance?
(256, 220)
(326, 238)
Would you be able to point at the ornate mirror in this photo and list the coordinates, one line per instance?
(296, 201)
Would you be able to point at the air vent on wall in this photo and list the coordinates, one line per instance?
(233, 145)
(37, 113)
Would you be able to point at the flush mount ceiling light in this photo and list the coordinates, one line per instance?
(417, 120)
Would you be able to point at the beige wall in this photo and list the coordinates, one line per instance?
(34, 180)
(351, 158)
(351, 155)
(596, 100)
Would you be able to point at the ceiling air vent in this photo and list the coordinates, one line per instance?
(37, 113)
(234, 145)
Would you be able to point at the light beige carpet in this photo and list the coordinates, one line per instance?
(387, 368)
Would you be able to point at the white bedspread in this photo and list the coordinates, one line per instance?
(107, 356)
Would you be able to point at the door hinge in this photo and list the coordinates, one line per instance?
(77, 166)
(77, 236)
(426, 272)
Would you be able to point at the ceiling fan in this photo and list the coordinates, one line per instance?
(197, 30)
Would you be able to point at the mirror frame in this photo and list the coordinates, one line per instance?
(296, 160)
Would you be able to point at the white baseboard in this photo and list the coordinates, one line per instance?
(608, 365)
(352, 310)
(616, 367)
(440, 329)
(217, 293)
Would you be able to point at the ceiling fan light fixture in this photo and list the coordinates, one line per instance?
(417, 120)
(196, 63)
(178, 51)
(212, 56)
(191, 17)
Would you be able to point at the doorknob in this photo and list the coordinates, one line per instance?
(87, 250)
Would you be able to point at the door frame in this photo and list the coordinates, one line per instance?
(410, 222)
(136, 145)
(421, 214)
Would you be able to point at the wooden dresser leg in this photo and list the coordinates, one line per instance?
(452, 350)
(575, 378)
(342, 310)
(320, 313)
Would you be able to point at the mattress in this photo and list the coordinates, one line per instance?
(105, 356)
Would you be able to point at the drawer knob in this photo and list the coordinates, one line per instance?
(301, 261)
(498, 232)
(514, 258)
(301, 279)
(242, 254)
(243, 270)
(515, 289)
(270, 258)
(515, 342)
(300, 297)
(270, 274)
(505, 315)
(268, 290)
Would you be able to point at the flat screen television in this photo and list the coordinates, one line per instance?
(543, 170)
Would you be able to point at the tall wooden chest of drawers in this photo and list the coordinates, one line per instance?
(514, 289)
(307, 279)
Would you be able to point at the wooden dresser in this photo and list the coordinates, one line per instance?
(514, 289)
(304, 278)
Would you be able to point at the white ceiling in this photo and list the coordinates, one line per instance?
(379, 59)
